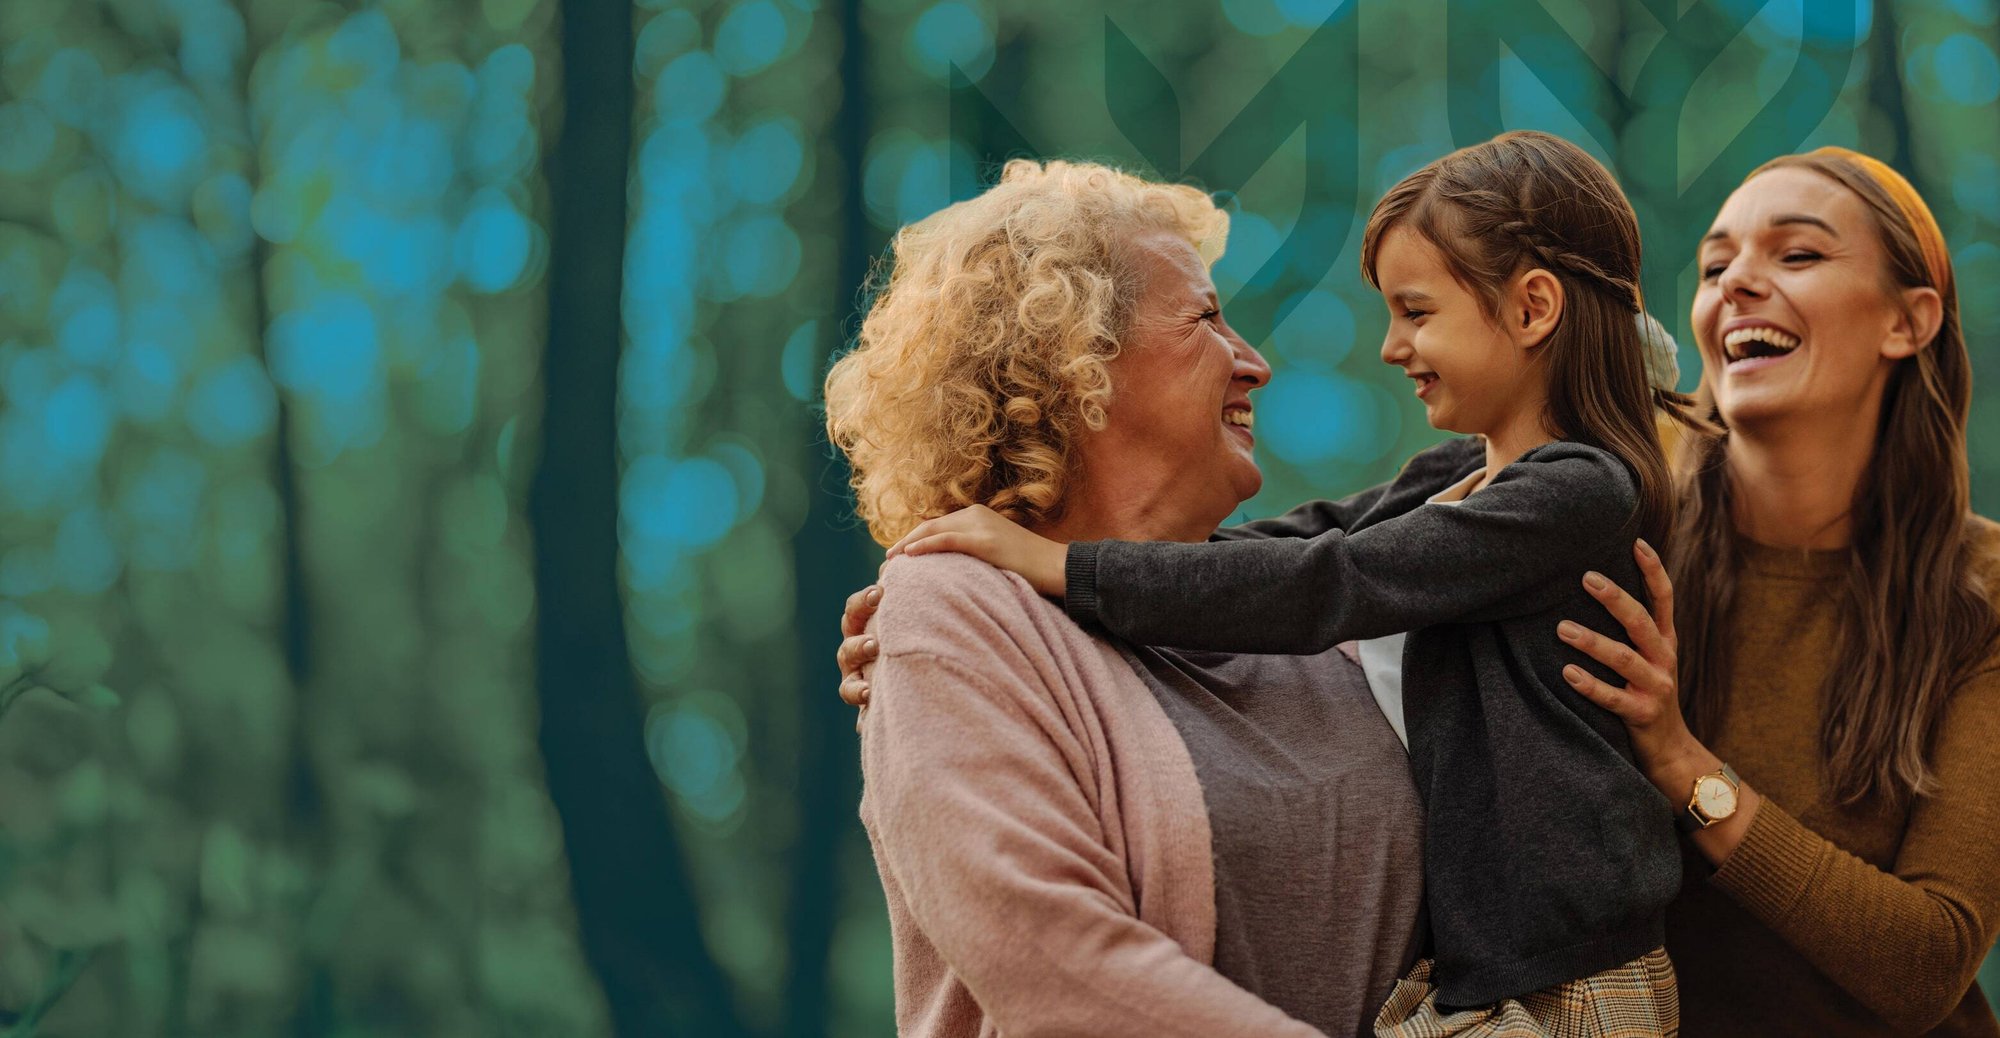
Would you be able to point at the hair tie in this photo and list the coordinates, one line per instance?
(1663, 365)
(1930, 238)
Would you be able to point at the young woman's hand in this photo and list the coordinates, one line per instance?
(1650, 703)
(858, 648)
(985, 534)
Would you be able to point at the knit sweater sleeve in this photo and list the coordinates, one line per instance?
(984, 805)
(1508, 550)
(1444, 461)
(1307, 520)
(1908, 942)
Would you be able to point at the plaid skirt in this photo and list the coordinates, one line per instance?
(1636, 1000)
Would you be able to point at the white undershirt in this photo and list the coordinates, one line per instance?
(1382, 658)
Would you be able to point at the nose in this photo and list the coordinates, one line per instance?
(1395, 348)
(1250, 366)
(1741, 280)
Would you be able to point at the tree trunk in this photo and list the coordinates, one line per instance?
(635, 913)
(830, 562)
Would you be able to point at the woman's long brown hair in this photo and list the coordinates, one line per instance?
(1916, 619)
(1524, 200)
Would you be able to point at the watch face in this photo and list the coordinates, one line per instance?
(1715, 797)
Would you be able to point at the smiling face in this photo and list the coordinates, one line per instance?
(1796, 315)
(1180, 387)
(1471, 374)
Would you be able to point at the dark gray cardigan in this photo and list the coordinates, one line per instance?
(1548, 855)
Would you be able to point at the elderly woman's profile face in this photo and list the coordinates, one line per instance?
(1180, 385)
(1795, 313)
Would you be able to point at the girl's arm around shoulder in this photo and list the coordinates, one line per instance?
(1443, 462)
(1512, 548)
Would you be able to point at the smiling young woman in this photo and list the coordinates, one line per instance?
(1834, 639)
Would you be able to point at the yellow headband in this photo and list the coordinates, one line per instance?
(1930, 239)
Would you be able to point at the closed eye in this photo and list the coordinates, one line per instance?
(1802, 256)
(1210, 314)
(1415, 314)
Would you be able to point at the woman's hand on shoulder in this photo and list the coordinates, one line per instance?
(1650, 703)
(984, 534)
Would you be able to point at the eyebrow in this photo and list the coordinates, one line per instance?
(1411, 296)
(1781, 220)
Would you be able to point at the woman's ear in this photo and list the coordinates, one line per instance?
(1536, 307)
(1916, 325)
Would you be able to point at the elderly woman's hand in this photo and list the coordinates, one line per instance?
(858, 648)
(1650, 703)
(985, 534)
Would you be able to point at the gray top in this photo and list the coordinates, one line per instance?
(1548, 855)
(1315, 827)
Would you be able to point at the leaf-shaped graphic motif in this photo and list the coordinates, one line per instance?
(1317, 89)
(1642, 128)
(1142, 103)
(981, 136)
(983, 139)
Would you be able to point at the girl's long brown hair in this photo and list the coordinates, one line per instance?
(1524, 200)
(1915, 618)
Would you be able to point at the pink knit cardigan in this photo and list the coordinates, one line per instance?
(1037, 823)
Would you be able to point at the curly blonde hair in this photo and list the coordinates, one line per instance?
(983, 357)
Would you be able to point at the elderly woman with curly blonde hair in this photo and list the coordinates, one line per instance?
(1077, 835)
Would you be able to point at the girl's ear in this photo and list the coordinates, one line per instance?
(1535, 309)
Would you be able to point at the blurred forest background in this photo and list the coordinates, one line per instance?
(419, 558)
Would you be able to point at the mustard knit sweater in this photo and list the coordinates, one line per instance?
(1832, 921)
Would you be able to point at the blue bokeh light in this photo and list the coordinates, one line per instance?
(330, 351)
(796, 362)
(765, 161)
(85, 311)
(1317, 330)
(146, 382)
(1256, 17)
(691, 87)
(1966, 70)
(494, 244)
(751, 37)
(77, 417)
(233, 403)
(70, 86)
(688, 504)
(760, 256)
(365, 42)
(951, 33)
(162, 143)
(1308, 417)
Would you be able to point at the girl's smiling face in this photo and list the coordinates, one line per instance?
(1796, 314)
(1475, 374)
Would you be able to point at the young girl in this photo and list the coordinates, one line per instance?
(1511, 271)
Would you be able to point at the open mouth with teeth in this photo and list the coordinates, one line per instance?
(1758, 343)
(1425, 380)
(1239, 417)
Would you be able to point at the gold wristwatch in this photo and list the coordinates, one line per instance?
(1712, 800)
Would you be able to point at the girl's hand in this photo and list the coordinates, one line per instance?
(1650, 703)
(985, 534)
